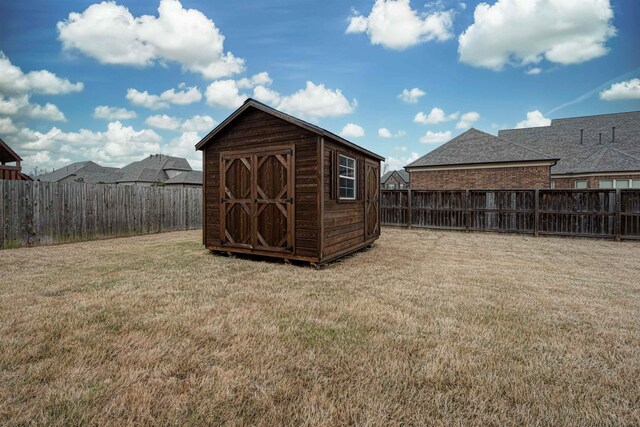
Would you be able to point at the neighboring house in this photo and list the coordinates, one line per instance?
(477, 159)
(395, 180)
(600, 151)
(157, 169)
(185, 179)
(10, 164)
(87, 172)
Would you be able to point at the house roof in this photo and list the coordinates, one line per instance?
(7, 154)
(189, 177)
(404, 175)
(87, 170)
(473, 147)
(152, 169)
(586, 144)
(252, 103)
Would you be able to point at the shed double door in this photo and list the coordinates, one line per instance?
(257, 199)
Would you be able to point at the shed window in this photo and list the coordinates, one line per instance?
(581, 184)
(347, 175)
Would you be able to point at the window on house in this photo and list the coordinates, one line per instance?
(635, 183)
(347, 175)
(581, 184)
(553, 184)
(606, 183)
(392, 186)
(402, 186)
(621, 183)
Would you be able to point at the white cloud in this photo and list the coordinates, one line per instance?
(534, 71)
(198, 123)
(7, 126)
(467, 120)
(352, 130)
(411, 96)
(437, 115)
(225, 94)
(534, 119)
(316, 101)
(629, 89)
(116, 146)
(15, 82)
(399, 162)
(394, 25)
(20, 106)
(386, 133)
(522, 32)
(10, 106)
(162, 122)
(46, 112)
(184, 146)
(113, 113)
(266, 95)
(109, 33)
(260, 79)
(435, 137)
(170, 96)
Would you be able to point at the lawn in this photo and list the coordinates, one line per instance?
(426, 327)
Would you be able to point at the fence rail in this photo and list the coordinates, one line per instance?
(34, 213)
(601, 213)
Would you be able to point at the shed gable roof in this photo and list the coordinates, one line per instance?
(252, 103)
(7, 154)
(473, 147)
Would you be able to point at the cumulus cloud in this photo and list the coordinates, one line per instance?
(435, 137)
(467, 120)
(317, 101)
(225, 94)
(534, 119)
(386, 133)
(522, 32)
(266, 95)
(399, 162)
(170, 96)
(352, 130)
(113, 113)
(198, 123)
(116, 146)
(109, 33)
(184, 146)
(411, 96)
(7, 126)
(534, 71)
(13, 81)
(393, 24)
(162, 122)
(436, 116)
(629, 89)
(45, 112)
(260, 79)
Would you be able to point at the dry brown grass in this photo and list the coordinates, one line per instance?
(424, 328)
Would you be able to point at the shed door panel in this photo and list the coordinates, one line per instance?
(257, 194)
(372, 200)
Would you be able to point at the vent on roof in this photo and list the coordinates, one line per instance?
(613, 134)
(600, 135)
(581, 135)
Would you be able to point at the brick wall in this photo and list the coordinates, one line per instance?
(394, 180)
(513, 177)
(592, 181)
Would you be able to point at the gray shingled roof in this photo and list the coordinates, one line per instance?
(152, 169)
(403, 174)
(189, 178)
(598, 151)
(87, 171)
(474, 146)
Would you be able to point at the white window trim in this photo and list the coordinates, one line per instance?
(581, 180)
(614, 181)
(353, 178)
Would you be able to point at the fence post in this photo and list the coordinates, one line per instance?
(409, 204)
(536, 213)
(618, 223)
(467, 213)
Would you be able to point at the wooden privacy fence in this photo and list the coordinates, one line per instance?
(36, 213)
(588, 213)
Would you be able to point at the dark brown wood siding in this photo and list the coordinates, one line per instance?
(257, 129)
(344, 221)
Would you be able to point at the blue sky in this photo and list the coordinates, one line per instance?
(341, 64)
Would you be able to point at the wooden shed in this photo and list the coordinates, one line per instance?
(10, 168)
(278, 186)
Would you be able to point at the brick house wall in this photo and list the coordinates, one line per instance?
(505, 177)
(592, 181)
